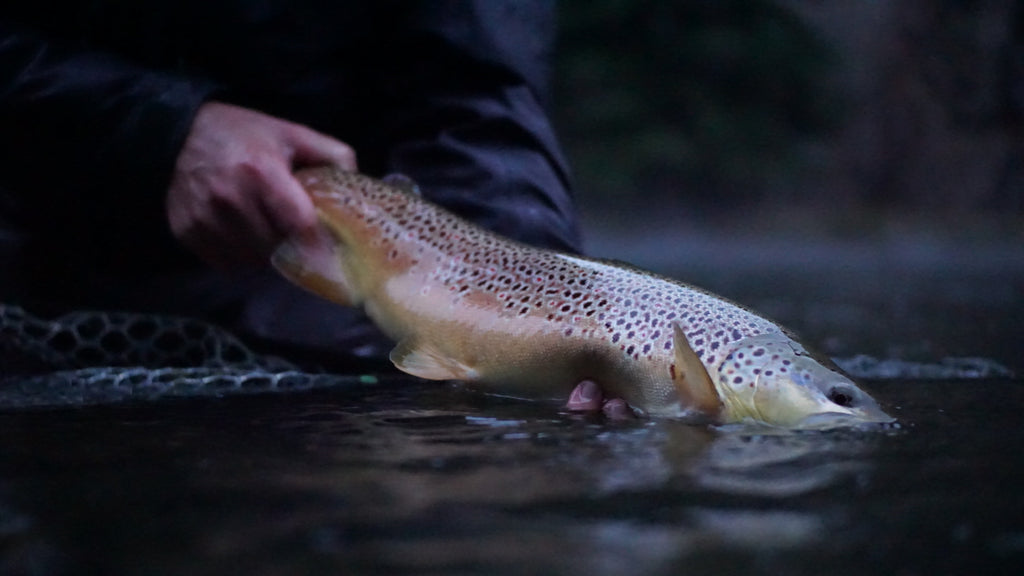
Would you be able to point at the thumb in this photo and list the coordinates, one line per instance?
(310, 147)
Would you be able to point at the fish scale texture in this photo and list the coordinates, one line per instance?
(581, 297)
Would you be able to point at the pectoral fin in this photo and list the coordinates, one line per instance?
(691, 378)
(426, 362)
(316, 265)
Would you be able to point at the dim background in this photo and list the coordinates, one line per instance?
(854, 169)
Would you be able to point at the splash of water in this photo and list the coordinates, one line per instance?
(869, 367)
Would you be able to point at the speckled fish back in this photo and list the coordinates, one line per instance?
(627, 308)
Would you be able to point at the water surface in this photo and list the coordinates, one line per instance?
(421, 478)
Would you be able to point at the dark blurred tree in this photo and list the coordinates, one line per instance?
(947, 108)
(698, 97)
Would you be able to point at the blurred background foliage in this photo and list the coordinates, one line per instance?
(696, 95)
(841, 110)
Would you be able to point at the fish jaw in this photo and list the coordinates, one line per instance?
(774, 380)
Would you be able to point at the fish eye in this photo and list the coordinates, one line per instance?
(841, 396)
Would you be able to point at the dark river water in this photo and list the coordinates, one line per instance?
(407, 477)
(420, 478)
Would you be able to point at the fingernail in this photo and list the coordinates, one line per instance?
(617, 409)
(586, 391)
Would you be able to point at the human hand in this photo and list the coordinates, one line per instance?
(587, 396)
(233, 197)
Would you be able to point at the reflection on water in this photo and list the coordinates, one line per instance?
(379, 479)
(783, 464)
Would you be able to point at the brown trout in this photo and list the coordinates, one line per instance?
(466, 304)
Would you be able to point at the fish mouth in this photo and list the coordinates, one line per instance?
(853, 418)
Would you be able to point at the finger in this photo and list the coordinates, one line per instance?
(194, 223)
(248, 235)
(310, 147)
(227, 225)
(617, 409)
(586, 396)
(287, 205)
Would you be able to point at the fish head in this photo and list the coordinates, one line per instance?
(772, 379)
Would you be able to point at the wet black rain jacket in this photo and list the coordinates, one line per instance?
(96, 99)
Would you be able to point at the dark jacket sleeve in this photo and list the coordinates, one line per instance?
(466, 116)
(87, 131)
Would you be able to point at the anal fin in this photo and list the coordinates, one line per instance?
(428, 363)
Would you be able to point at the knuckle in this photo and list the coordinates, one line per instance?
(346, 155)
(222, 197)
(254, 165)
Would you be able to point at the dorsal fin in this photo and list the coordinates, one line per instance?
(691, 378)
(402, 182)
(426, 362)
